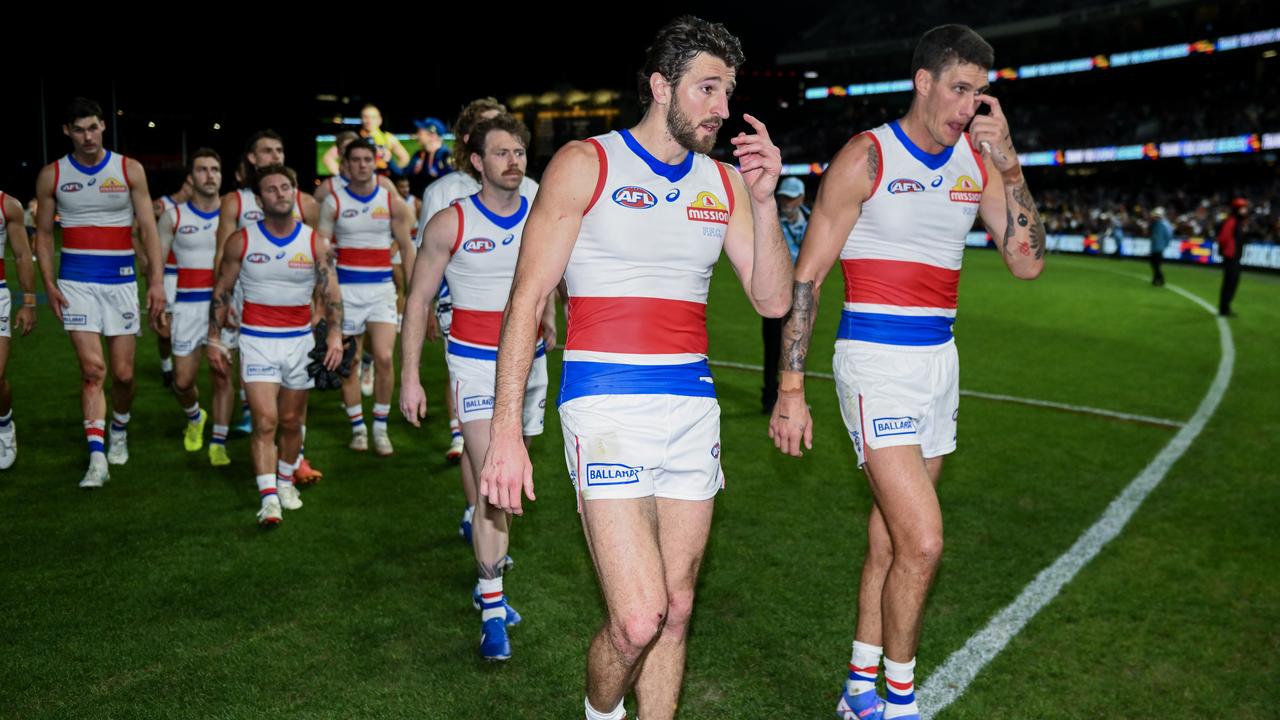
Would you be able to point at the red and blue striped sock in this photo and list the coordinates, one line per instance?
(266, 487)
(380, 413)
(119, 423)
(899, 680)
(219, 435)
(355, 413)
(193, 413)
(284, 474)
(492, 602)
(94, 433)
(864, 666)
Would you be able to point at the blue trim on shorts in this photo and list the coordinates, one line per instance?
(193, 296)
(274, 335)
(917, 330)
(98, 269)
(583, 378)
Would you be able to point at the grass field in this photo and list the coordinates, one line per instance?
(158, 596)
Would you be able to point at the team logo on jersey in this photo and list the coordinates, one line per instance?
(708, 208)
(350, 213)
(380, 213)
(887, 426)
(301, 261)
(257, 258)
(71, 187)
(636, 198)
(509, 239)
(112, 185)
(479, 245)
(966, 190)
(905, 185)
(188, 230)
(253, 215)
(674, 195)
(936, 181)
(613, 474)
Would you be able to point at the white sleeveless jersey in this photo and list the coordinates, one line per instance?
(249, 211)
(4, 240)
(95, 210)
(362, 234)
(639, 273)
(278, 276)
(482, 265)
(194, 243)
(902, 259)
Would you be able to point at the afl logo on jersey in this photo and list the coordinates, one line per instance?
(708, 208)
(188, 230)
(966, 190)
(634, 197)
(479, 245)
(258, 258)
(350, 213)
(905, 185)
(71, 187)
(253, 215)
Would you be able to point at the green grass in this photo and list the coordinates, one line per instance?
(158, 597)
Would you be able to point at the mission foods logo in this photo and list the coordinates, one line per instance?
(636, 198)
(708, 208)
(966, 190)
(380, 213)
(112, 185)
(301, 261)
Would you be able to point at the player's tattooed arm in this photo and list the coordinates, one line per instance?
(873, 162)
(798, 328)
(327, 288)
(1029, 218)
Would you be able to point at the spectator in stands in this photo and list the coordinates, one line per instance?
(432, 159)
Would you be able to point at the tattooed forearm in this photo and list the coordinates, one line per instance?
(1035, 228)
(218, 305)
(797, 329)
(489, 571)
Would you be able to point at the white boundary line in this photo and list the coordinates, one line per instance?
(1164, 422)
(949, 681)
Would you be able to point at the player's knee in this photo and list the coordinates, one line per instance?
(291, 421)
(679, 609)
(122, 374)
(382, 359)
(924, 551)
(93, 374)
(265, 425)
(635, 631)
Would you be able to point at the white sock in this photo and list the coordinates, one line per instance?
(284, 474)
(900, 695)
(166, 364)
(618, 713)
(492, 603)
(380, 413)
(355, 413)
(119, 423)
(193, 412)
(864, 666)
(266, 487)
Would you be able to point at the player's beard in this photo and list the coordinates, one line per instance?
(685, 131)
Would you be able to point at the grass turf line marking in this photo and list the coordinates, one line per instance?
(949, 681)
(1162, 422)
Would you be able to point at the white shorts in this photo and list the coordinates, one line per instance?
(472, 380)
(189, 327)
(170, 291)
(277, 360)
(108, 310)
(6, 304)
(634, 446)
(894, 395)
(364, 303)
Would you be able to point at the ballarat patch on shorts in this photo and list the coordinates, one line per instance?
(612, 474)
(884, 427)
